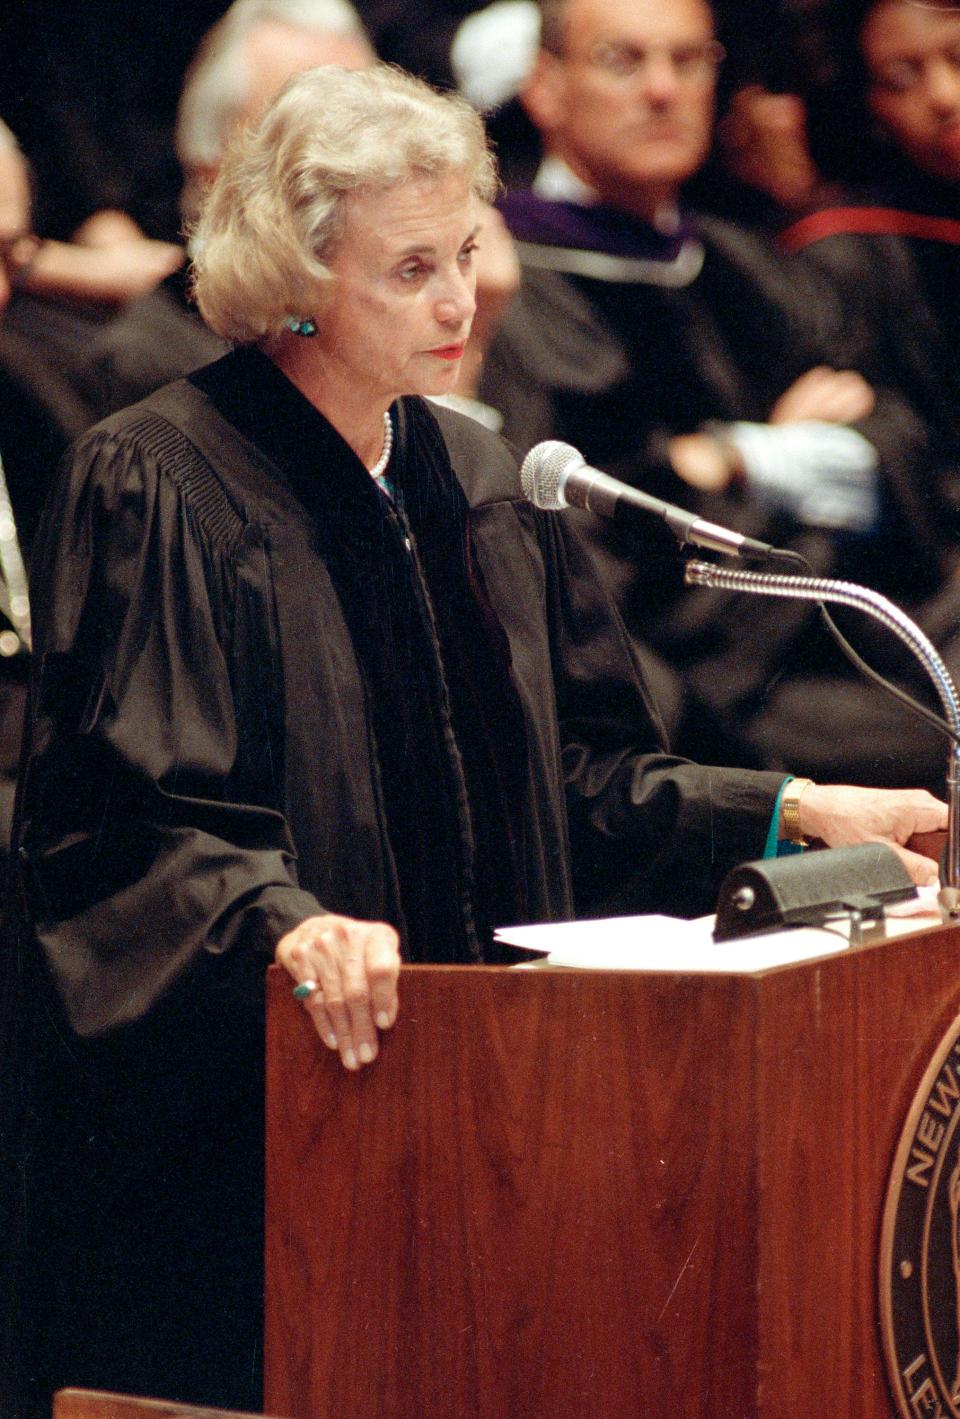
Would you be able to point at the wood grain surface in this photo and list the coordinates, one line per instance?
(563, 1193)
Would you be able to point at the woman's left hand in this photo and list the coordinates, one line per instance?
(353, 967)
(841, 815)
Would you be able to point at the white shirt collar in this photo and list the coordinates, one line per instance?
(556, 182)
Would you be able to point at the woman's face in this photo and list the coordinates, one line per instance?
(912, 55)
(403, 300)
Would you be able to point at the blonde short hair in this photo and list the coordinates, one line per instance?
(277, 203)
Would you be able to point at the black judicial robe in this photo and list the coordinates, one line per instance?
(206, 764)
(197, 691)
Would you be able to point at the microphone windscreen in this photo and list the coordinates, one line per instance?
(544, 470)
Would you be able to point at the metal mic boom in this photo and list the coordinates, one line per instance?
(554, 476)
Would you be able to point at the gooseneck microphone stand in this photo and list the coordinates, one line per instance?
(846, 593)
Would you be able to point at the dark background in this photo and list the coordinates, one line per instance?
(91, 90)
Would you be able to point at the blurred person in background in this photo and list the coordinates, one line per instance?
(761, 171)
(243, 61)
(685, 355)
(886, 123)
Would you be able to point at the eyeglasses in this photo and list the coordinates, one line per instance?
(691, 63)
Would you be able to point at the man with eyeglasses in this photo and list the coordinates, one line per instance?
(684, 355)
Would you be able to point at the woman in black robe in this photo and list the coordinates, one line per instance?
(311, 683)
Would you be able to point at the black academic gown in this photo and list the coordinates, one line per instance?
(617, 368)
(900, 282)
(204, 767)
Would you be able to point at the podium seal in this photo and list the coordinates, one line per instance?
(920, 1246)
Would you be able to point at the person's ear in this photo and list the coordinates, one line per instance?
(543, 94)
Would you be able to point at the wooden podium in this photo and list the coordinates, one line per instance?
(561, 1194)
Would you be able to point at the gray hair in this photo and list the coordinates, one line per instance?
(277, 203)
(217, 83)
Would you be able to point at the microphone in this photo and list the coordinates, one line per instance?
(554, 475)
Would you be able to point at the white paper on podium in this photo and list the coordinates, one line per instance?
(666, 943)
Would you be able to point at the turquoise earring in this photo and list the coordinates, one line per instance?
(304, 326)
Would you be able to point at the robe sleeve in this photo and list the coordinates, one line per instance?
(649, 830)
(149, 830)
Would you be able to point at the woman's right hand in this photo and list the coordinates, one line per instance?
(355, 966)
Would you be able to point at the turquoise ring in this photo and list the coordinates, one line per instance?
(304, 990)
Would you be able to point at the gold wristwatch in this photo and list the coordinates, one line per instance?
(790, 810)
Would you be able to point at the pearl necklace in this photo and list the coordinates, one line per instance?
(380, 467)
